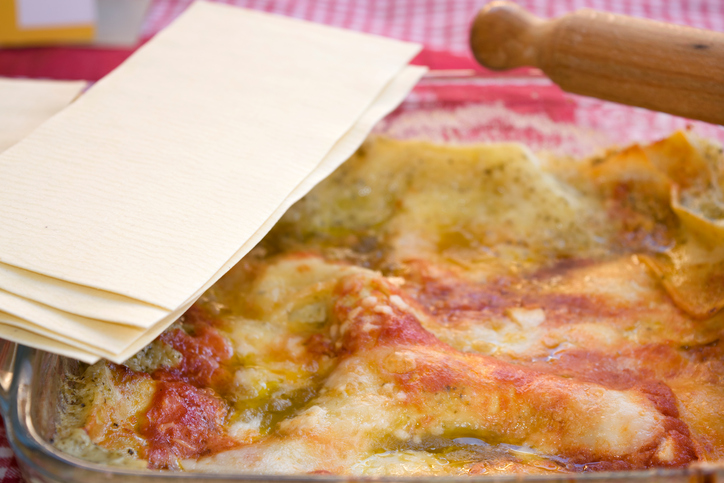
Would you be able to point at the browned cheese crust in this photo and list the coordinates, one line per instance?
(443, 310)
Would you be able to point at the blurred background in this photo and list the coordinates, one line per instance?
(86, 39)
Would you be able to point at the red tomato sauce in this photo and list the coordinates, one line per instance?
(186, 416)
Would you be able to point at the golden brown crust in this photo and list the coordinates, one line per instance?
(455, 310)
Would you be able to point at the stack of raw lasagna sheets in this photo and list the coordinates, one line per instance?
(122, 209)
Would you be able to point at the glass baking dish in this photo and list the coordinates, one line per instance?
(449, 106)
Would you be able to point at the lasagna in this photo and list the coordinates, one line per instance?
(445, 310)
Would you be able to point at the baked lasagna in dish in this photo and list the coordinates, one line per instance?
(445, 310)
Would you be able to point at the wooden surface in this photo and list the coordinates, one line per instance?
(659, 66)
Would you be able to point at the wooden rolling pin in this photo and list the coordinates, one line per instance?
(659, 66)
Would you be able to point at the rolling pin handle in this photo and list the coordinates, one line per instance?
(639, 62)
(505, 36)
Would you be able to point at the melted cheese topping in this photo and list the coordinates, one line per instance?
(437, 310)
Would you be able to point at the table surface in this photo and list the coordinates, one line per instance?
(440, 25)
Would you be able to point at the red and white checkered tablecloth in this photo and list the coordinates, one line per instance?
(440, 25)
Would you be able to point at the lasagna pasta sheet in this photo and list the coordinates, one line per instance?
(13, 331)
(25, 104)
(100, 337)
(167, 171)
